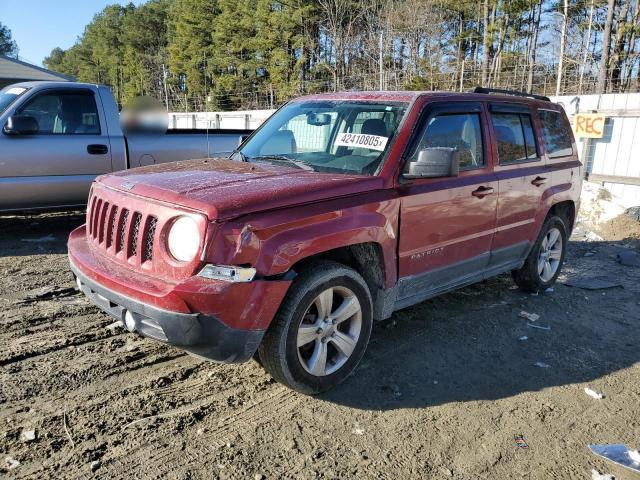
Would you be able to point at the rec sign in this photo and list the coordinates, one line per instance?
(589, 125)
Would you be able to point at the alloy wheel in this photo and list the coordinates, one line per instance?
(550, 255)
(329, 331)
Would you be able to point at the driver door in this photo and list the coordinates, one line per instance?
(55, 167)
(447, 224)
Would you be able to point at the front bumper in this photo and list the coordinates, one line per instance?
(216, 320)
(201, 335)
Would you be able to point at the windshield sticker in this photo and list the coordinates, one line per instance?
(362, 140)
(15, 91)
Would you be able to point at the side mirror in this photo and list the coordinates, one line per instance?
(21, 125)
(435, 162)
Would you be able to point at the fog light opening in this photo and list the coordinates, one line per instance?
(129, 321)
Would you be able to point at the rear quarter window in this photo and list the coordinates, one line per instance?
(557, 136)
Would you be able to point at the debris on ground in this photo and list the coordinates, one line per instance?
(532, 317)
(520, 441)
(540, 327)
(47, 292)
(628, 258)
(593, 283)
(589, 254)
(550, 290)
(523, 338)
(593, 394)
(633, 213)
(593, 237)
(46, 238)
(596, 475)
(542, 365)
(11, 463)
(115, 325)
(357, 430)
(618, 454)
(28, 435)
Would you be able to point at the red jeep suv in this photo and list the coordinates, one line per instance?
(339, 210)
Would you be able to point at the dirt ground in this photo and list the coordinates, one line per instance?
(443, 389)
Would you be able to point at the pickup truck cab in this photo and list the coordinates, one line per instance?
(341, 209)
(58, 136)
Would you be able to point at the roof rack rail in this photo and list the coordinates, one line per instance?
(511, 92)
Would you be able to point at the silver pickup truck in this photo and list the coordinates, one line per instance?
(58, 136)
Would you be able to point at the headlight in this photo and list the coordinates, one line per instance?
(184, 239)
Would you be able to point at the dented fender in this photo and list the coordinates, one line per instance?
(273, 242)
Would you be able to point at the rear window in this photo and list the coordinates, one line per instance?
(515, 138)
(557, 137)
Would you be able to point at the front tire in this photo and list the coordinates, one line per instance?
(321, 330)
(543, 265)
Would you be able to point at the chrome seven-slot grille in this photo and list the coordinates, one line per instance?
(118, 229)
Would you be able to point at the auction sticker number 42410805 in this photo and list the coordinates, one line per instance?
(362, 140)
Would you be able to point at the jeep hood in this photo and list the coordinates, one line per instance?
(226, 189)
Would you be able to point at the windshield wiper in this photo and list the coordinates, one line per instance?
(281, 158)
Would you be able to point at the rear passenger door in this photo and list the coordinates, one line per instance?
(447, 223)
(56, 166)
(522, 182)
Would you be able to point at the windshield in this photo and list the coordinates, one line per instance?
(327, 136)
(8, 95)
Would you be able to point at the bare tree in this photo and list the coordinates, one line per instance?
(563, 43)
(606, 40)
(486, 50)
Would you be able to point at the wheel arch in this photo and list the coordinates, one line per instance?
(368, 259)
(566, 210)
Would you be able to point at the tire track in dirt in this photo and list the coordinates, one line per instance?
(158, 462)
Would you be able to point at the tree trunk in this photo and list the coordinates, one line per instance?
(485, 43)
(606, 40)
(618, 47)
(563, 41)
(534, 45)
(586, 47)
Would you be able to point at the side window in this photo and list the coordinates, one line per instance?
(64, 113)
(557, 137)
(515, 138)
(460, 131)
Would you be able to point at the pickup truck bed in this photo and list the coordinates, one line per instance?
(77, 137)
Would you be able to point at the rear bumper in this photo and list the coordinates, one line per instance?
(217, 320)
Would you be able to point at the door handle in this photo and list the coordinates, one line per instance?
(481, 192)
(538, 181)
(97, 149)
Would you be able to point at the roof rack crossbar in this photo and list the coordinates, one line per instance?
(511, 92)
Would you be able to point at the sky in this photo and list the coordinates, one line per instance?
(38, 26)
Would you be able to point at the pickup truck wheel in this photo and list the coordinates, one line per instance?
(321, 330)
(542, 266)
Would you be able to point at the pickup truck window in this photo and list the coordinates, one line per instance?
(64, 113)
(515, 138)
(557, 136)
(8, 95)
(459, 131)
(348, 137)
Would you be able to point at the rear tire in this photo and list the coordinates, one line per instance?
(321, 330)
(545, 260)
